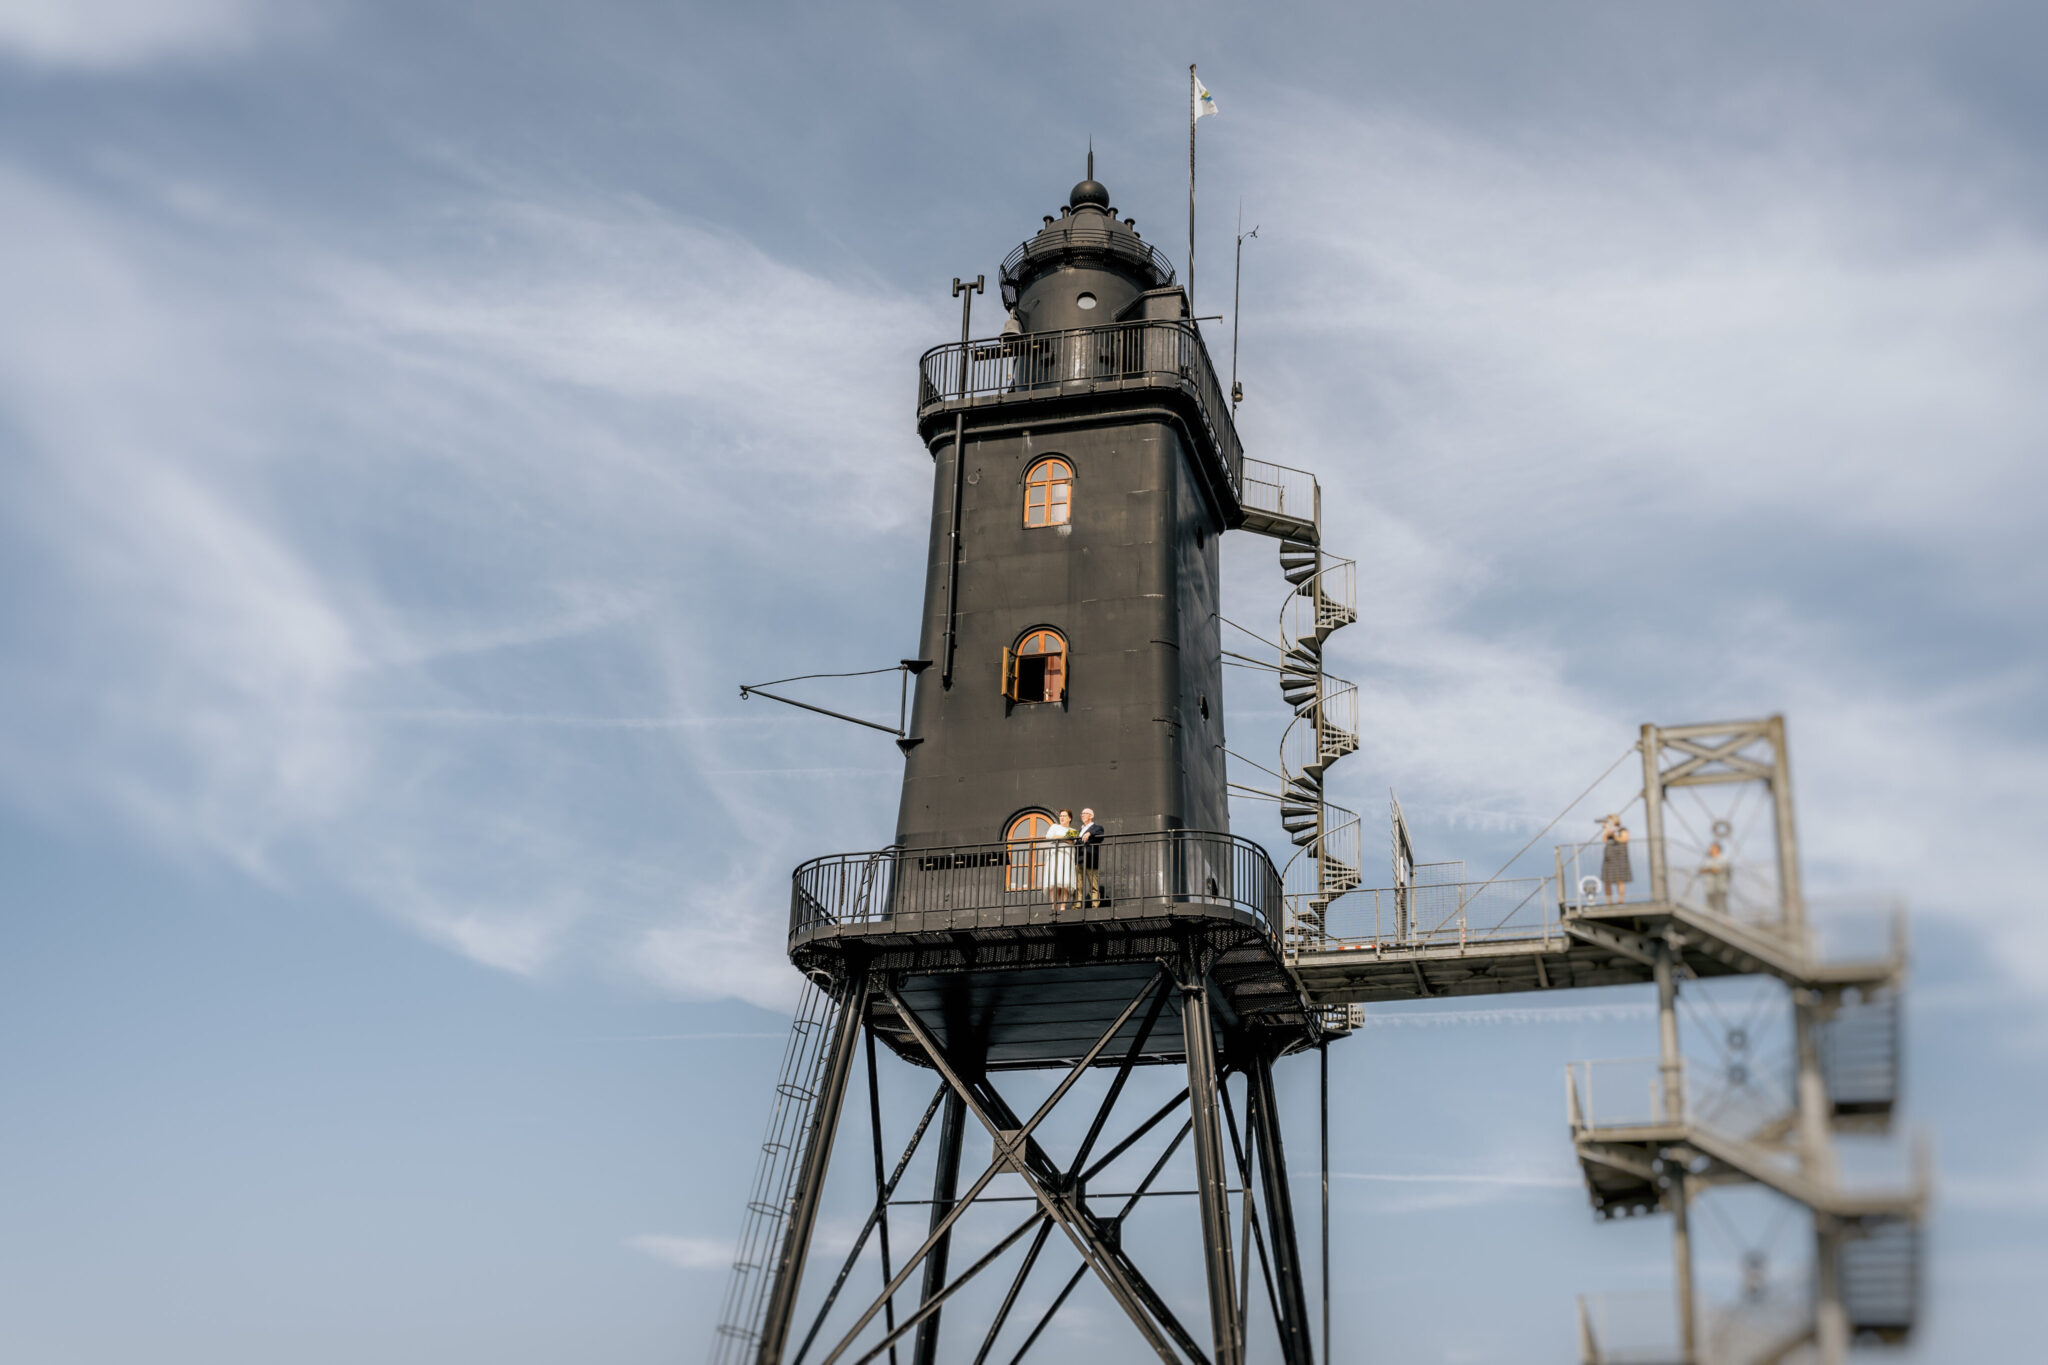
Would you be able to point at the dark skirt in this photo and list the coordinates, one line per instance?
(1614, 863)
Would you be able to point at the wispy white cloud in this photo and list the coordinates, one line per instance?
(426, 573)
(115, 34)
(568, 459)
(683, 1252)
(1414, 1192)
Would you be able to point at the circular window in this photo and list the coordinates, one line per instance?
(1086, 301)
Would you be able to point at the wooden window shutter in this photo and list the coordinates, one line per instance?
(1056, 676)
(1009, 674)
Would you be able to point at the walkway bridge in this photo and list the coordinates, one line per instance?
(1513, 934)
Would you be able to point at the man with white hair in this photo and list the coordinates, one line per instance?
(1091, 858)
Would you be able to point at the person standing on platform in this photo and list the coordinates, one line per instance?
(1714, 877)
(1059, 860)
(1614, 869)
(1090, 849)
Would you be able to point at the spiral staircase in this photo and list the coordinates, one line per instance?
(1322, 599)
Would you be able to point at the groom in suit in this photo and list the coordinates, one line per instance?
(1090, 835)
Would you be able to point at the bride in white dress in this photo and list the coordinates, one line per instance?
(1059, 860)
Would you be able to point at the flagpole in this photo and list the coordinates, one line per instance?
(1191, 189)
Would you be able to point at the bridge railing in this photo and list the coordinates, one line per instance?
(1054, 879)
(1441, 914)
(1736, 882)
(1640, 1327)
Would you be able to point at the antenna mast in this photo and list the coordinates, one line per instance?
(1236, 293)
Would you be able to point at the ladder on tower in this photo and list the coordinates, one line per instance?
(790, 1125)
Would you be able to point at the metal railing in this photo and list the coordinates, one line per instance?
(1320, 872)
(1167, 352)
(1743, 888)
(1326, 601)
(1622, 1092)
(1071, 236)
(1635, 1328)
(1444, 915)
(1756, 1327)
(1280, 491)
(1739, 1102)
(1170, 867)
(1312, 741)
(1640, 1327)
(1856, 928)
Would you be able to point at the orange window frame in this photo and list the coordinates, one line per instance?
(1044, 643)
(1049, 493)
(1026, 866)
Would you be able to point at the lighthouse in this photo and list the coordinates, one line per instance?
(1084, 466)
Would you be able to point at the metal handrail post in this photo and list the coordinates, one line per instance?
(1653, 810)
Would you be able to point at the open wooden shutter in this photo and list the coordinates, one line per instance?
(1056, 676)
(1009, 674)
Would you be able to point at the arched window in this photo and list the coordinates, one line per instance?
(1036, 670)
(1048, 493)
(1028, 851)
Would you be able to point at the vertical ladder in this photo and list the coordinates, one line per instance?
(738, 1332)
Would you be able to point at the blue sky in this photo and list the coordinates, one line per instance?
(419, 418)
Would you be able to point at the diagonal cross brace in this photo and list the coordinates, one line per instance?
(1053, 1209)
(1073, 1173)
(1727, 752)
(1121, 1278)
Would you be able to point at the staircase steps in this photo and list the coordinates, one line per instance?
(1306, 653)
(1298, 561)
(1298, 686)
(1300, 823)
(1881, 1279)
(1859, 1055)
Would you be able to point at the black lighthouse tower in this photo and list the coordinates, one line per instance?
(1085, 466)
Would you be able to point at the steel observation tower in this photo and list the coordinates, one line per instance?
(1085, 466)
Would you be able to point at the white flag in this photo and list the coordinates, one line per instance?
(1205, 103)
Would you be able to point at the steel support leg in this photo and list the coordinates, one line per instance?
(1830, 1314)
(945, 1189)
(882, 1188)
(1817, 1162)
(1212, 1177)
(810, 1187)
(1297, 1345)
(1671, 1072)
(1681, 1264)
(1323, 1065)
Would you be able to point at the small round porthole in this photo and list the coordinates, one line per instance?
(1085, 301)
